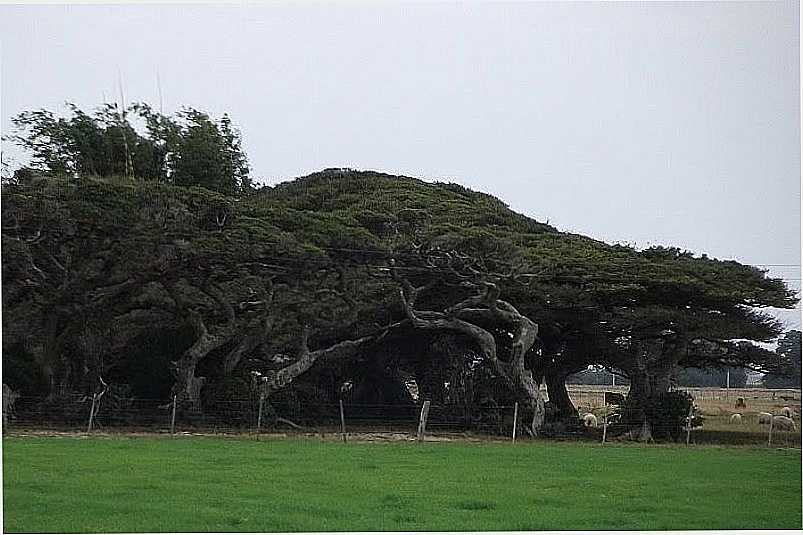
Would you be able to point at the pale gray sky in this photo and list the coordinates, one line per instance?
(647, 123)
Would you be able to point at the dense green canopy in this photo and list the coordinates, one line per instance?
(301, 282)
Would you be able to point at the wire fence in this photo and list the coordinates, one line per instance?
(583, 395)
(83, 414)
(244, 415)
(731, 394)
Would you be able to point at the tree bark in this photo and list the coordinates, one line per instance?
(660, 380)
(54, 363)
(188, 386)
(245, 346)
(650, 375)
(457, 318)
(276, 380)
(640, 391)
(260, 331)
(559, 395)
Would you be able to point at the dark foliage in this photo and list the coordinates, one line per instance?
(667, 414)
(787, 373)
(182, 289)
(712, 377)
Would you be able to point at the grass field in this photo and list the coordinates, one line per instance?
(217, 484)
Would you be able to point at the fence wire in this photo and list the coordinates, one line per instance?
(243, 416)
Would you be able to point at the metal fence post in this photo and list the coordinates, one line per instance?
(769, 439)
(515, 420)
(605, 424)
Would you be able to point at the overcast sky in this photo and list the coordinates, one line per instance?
(645, 123)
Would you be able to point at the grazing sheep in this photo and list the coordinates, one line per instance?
(764, 417)
(740, 404)
(786, 411)
(589, 420)
(782, 423)
(736, 418)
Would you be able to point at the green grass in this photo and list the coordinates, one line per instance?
(217, 484)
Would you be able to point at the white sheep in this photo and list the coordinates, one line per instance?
(736, 418)
(786, 411)
(589, 420)
(615, 417)
(764, 418)
(782, 423)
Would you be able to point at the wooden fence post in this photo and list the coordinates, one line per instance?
(91, 413)
(422, 422)
(769, 439)
(342, 422)
(259, 415)
(173, 417)
(688, 424)
(605, 424)
(515, 420)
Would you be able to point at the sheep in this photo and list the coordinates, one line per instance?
(782, 423)
(736, 418)
(764, 417)
(589, 420)
(786, 411)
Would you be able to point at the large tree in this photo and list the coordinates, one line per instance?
(345, 278)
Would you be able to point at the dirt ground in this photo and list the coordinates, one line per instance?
(329, 436)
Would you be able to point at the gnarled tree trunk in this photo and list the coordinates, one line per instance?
(188, 386)
(260, 329)
(275, 380)
(640, 392)
(650, 375)
(486, 307)
(559, 395)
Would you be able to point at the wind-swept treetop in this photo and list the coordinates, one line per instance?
(324, 216)
(188, 148)
(448, 216)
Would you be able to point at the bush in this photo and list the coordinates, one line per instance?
(666, 413)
